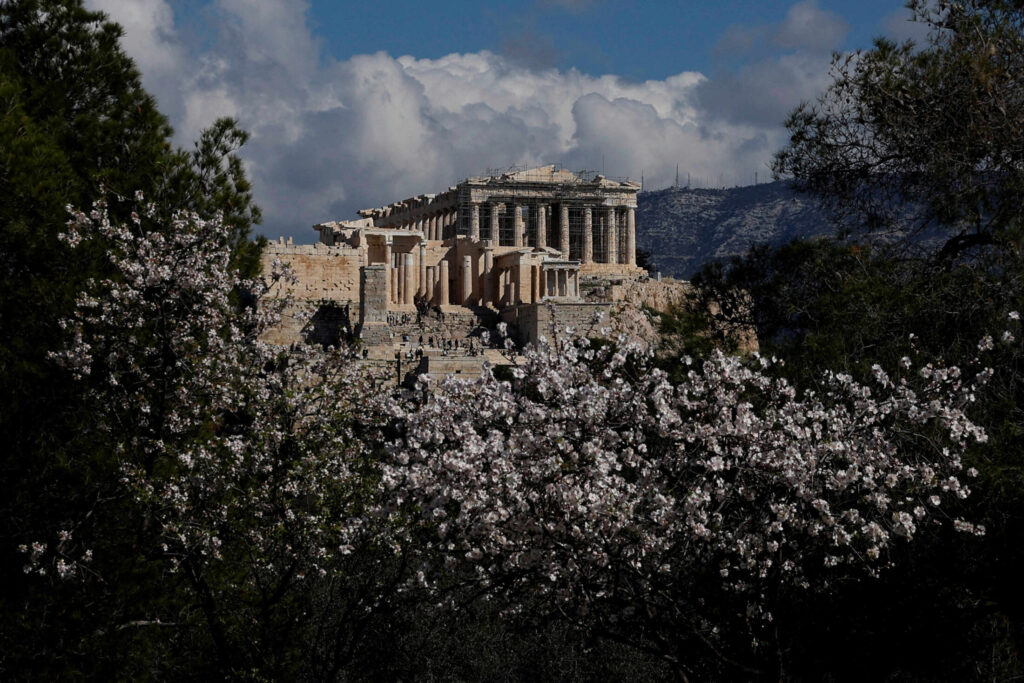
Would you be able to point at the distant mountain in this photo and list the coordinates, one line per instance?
(685, 228)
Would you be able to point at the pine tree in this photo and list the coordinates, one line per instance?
(76, 125)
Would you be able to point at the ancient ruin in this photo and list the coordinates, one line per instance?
(434, 271)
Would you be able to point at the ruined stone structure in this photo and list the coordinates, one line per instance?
(493, 246)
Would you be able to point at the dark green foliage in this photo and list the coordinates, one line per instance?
(914, 139)
(932, 136)
(76, 125)
(953, 607)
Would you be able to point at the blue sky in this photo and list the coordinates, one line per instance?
(353, 105)
(637, 40)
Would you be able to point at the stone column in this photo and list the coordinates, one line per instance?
(421, 289)
(563, 226)
(611, 235)
(474, 223)
(389, 277)
(542, 225)
(466, 282)
(396, 279)
(495, 225)
(518, 224)
(442, 284)
(631, 235)
(488, 276)
(431, 276)
(399, 278)
(588, 235)
(409, 269)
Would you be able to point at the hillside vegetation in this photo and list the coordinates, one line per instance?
(685, 227)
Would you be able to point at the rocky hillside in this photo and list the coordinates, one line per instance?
(686, 228)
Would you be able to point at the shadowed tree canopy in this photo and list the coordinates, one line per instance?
(76, 125)
(910, 137)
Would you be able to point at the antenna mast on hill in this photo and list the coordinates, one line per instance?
(677, 176)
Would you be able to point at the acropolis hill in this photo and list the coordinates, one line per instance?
(430, 273)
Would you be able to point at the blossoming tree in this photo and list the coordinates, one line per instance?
(591, 484)
(666, 515)
(247, 464)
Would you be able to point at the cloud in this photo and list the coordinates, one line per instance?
(806, 29)
(763, 93)
(809, 28)
(151, 39)
(766, 70)
(330, 137)
(898, 26)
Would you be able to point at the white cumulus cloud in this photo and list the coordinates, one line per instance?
(333, 136)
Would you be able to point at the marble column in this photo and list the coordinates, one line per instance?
(389, 277)
(410, 270)
(588, 235)
(488, 276)
(421, 289)
(474, 223)
(495, 223)
(519, 224)
(465, 295)
(444, 298)
(611, 236)
(431, 276)
(631, 235)
(542, 225)
(563, 227)
(399, 278)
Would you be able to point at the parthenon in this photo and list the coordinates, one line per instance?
(497, 245)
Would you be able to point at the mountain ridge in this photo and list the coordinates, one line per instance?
(684, 228)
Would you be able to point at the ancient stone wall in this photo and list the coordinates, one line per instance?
(661, 296)
(534, 320)
(325, 273)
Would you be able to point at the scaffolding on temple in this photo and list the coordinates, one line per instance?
(513, 208)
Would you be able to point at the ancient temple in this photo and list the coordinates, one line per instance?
(495, 243)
